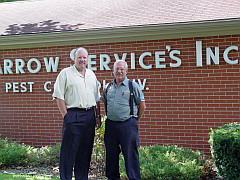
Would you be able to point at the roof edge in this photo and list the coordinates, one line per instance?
(123, 34)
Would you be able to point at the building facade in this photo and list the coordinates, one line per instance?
(189, 73)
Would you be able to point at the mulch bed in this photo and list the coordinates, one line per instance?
(48, 171)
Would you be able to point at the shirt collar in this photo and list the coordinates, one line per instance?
(76, 73)
(125, 81)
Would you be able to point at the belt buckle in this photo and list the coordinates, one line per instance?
(88, 108)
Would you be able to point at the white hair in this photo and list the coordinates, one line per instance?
(80, 49)
(121, 61)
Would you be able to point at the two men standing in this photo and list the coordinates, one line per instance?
(78, 97)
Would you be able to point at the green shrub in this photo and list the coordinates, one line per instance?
(16, 154)
(225, 148)
(98, 155)
(12, 153)
(46, 155)
(168, 163)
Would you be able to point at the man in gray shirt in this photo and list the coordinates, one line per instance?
(121, 128)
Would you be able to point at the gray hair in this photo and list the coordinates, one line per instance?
(121, 61)
(80, 49)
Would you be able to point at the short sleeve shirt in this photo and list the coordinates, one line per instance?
(75, 89)
(117, 98)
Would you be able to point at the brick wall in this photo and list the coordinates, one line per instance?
(183, 103)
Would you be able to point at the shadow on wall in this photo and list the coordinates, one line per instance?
(41, 27)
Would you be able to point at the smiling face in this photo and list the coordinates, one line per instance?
(120, 71)
(81, 60)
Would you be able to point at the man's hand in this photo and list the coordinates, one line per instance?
(61, 106)
(98, 121)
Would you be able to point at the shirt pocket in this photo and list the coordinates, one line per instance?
(111, 94)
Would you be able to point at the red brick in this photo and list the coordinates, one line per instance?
(182, 103)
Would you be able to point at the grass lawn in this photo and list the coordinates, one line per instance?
(24, 177)
(1, 1)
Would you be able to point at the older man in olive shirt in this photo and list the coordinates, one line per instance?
(121, 129)
(77, 94)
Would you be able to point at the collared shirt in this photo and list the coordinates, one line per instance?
(75, 89)
(118, 100)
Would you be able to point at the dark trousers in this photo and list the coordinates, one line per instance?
(122, 137)
(77, 143)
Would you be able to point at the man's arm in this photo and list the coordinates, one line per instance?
(142, 107)
(61, 106)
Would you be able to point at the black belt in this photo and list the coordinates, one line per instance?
(81, 109)
(121, 121)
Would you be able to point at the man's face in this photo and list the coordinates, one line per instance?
(81, 60)
(119, 72)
